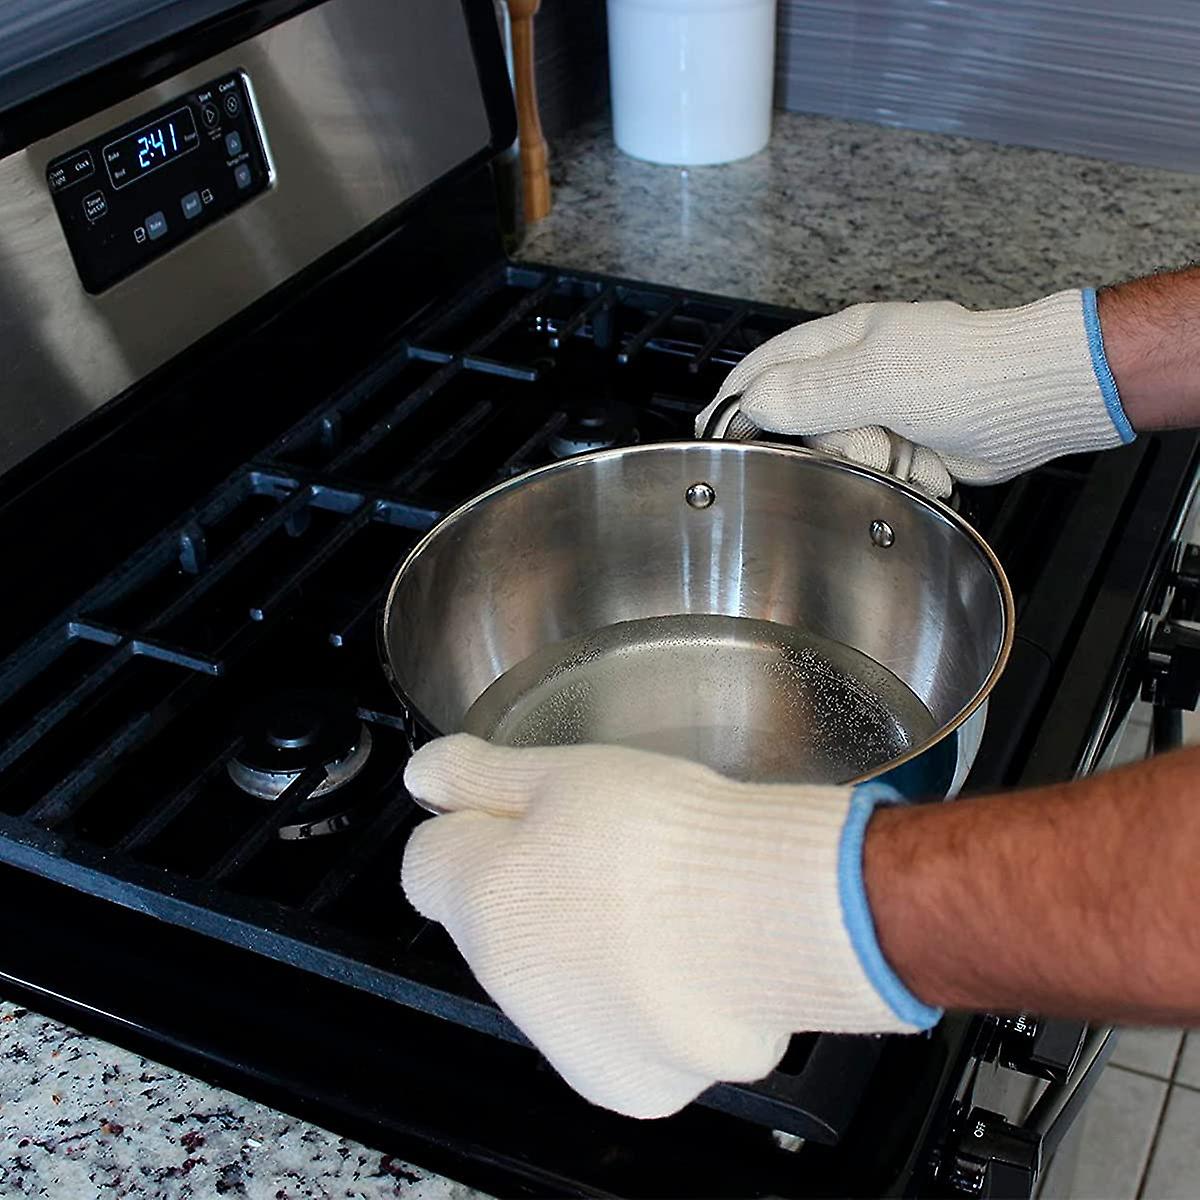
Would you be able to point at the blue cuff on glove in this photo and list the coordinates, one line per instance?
(1104, 376)
(857, 912)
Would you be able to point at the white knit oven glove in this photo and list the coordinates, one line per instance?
(651, 926)
(934, 392)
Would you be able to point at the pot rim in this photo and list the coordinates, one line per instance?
(813, 458)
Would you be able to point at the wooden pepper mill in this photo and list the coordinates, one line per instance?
(535, 173)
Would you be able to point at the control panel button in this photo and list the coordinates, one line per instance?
(156, 226)
(207, 196)
(242, 175)
(70, 170)
(95, 206)
(233, 144)
(191, 205)
(210, 116)
(139, 234)
(233, 104)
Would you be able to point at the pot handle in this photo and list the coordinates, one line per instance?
(728, 421)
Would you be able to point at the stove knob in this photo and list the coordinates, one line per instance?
(992, 1158)
(1172, 671)
(1044, 1048)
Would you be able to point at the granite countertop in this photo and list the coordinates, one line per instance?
(835, 212)
(832, 213)
(83, 1120)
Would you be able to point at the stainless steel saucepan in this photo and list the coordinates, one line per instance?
(778, 614)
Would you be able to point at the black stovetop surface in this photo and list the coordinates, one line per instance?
(119, 716)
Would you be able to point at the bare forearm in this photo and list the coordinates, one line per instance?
(1151, 332)
(1081, 900)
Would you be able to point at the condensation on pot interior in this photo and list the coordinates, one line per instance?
(754, 700)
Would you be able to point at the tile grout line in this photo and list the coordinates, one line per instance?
(1144, 1174)
(1142, 1073)
(1158, 1124)
(1187, 1087)
(1179, 1057)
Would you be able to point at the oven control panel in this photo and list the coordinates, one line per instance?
(137, 191)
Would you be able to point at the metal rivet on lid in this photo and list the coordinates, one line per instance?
(700, 495)
(882, 534)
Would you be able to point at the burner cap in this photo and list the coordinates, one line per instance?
(595, 427)
(289, 731)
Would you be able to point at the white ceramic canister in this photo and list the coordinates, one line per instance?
(692, 80)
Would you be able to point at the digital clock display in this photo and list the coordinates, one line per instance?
(153, 146)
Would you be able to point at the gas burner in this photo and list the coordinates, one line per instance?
(595, 427)
(290, 731)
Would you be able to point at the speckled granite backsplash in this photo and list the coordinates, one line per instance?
(835, 212)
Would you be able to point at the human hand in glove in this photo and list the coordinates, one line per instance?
(934, 392)
(651, 926)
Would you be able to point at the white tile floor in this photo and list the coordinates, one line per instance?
(1150, 1051)
(1115, 1142)
(1175, 1166)
(1138, 1137)
(1188, 1071)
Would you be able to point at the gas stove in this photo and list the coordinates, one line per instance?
(201, 804)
